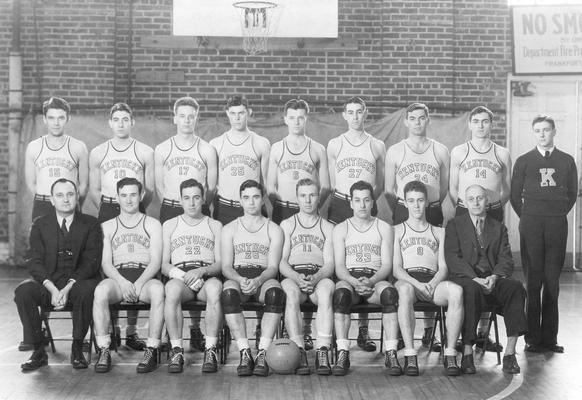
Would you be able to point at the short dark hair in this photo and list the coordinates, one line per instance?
(296, 104)
(251, 183)
(237, 100)
(129, 182)
(544, 118)
(186, 101)
(120, 107)
(306, 182)
(479, 110)
(416, 106)
(56, 103)
(361, 185)
(63, 180)
(191, 183)
(415, 186)
(355, 100)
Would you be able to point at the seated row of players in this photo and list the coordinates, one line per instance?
(193, 251)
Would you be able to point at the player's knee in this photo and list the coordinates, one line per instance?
(404, 289)
(213, 287)
(274, 300)
(342, 301)
(231, 301)
(22, 291)
(389, 300)
(455, 292)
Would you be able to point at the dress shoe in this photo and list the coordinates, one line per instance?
(468, 364)
(510, 364)
(555, 348)
(534, 348)
(25, 346)
(36, 360)
(485, 342)
(78, 360)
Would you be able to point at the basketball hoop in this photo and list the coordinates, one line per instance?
(256, 19)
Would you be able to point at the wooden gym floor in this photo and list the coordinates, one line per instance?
(543, 376)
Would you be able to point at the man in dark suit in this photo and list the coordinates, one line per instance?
(64, 262)
(479, 258)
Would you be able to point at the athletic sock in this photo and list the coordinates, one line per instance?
(176, 343)
(211, 341)
(265, 342)
(408, 352)
(324, 341)
(151, 342)
(242, 343)
(391, 344)
(298, 340)
(343, 344)
(450, 352)
(130, 330)
(103, 341)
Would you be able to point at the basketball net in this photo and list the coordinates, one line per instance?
(256, 18)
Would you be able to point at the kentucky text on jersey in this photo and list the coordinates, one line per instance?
(307, 239)
(192, 240)
(130, 238)
(413, 168)
(480, 163)
(296, 164)
(57, 162)
(419, 241)
(362, 248)
(355, 162)
(238, 159)
(121, 163)
(251, 247)
(185, 161)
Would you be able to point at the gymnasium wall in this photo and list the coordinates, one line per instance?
(450, 54)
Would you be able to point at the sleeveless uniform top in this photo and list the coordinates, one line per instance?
(53, 164)
(236, 164)
(182, 164)
(251, 249)
(130, 247)
(306, 255)
(192, 246)
(420, 251)
(363, 249)
(118, 164)
(354, 163)
(422, 167)
(291, 168)
(483, 169)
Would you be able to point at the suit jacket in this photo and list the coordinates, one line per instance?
(87, 247)
(461, 247)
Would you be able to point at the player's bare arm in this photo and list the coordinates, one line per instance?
(505, 158)
(379, 151)
(167, 229)
(386, 251)
(208, 153)
(327, 270)
(390, 167)
(457, 155)
(320, 157)
(95, 158)
(80, 153)
(398, 263)
(275, 250)
(32, 151)
(284, 267)
(443, 271)
(127, 288)
(339, 251)
(228, 253)
(155, 230)
(444, 159)
(332, 150)
(146, 155)
(160, 154)
(272, 181)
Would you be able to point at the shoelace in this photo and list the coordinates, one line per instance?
(342, 357)
(451, 362)
(103, 353)
(246, 357)
(391, 357)
(176, 357)
(413, 361)
(210, 355)
(260, 357)
(321, 357)
(148, 356)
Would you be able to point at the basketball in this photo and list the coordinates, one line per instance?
(283, 356)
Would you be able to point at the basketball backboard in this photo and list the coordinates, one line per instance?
(293, 18)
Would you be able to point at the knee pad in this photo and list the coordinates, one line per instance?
(230, 300)
(274, 300)
(389, 300)
(342, 301)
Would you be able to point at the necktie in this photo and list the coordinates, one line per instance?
(479, 229)
(64, 229)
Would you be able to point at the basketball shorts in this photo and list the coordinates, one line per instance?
(340, 209)
(283, 210)
(434, 213)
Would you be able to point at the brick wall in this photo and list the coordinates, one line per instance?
(450, 54)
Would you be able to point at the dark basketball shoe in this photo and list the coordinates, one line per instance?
(103, 363)
(210, 360)
(134, 342)
(391, 362)
(246, 365)
(307, 342)
(176, 364)
(197, 340)
(411, 366)
(149, 362)
(303, 368)
(261, 366)
(364, 341)
(257, 336)
(342, 365)
(322, 366)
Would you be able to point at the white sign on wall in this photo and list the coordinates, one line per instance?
(547, 39)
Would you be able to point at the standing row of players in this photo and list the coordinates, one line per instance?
(240, 154)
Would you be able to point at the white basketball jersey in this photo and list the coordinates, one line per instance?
(422, 167)
(293, 167)
(419, 249)
(191, 244)
(53, 164)
(236, 164)
(363, 249)
(118, 164)
(306, 245)
(130, 244)
(182, 164)
(354, 163)
(483, 169)
(251, 249)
